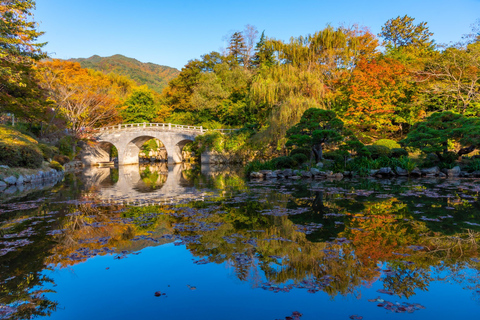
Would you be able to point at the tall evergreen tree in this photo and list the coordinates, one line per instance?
(237, 47)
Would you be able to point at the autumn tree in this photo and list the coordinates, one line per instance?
(83, 97)
(376, 98)
(19, 50)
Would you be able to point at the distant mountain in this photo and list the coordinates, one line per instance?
(153, 75)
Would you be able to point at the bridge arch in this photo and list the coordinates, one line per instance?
(129, 138)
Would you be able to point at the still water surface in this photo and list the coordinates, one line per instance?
(177, 243)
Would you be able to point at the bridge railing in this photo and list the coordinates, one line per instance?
(164, 126)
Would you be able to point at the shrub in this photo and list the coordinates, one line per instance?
(55, 165)
(378, 151)
(390, 144)
(337, 156)
(48, 151)
(299, 158)
(473, 165)
(61, 159)
(257, 165)
(283, 162)
(306, 151)
(65, 146)
(399, 152)
(19, 150)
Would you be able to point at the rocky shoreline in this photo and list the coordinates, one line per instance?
(386, 172)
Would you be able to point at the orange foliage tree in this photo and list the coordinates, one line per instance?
(83, 97)
(377, 97)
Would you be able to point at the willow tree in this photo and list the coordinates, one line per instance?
(305, 75)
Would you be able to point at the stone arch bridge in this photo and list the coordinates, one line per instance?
(129, 138)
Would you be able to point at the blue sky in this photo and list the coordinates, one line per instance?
(173, 32)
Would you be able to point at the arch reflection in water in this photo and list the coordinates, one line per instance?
(140, 184)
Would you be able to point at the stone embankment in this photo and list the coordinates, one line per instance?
(387, 172)
(17, 182)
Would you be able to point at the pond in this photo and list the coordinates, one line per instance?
(176, 242)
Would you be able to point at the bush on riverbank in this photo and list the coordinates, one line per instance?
(18, 149)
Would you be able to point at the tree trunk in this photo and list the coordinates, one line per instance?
(318, 152)
(466, 150)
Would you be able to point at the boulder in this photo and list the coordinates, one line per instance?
(294, 177)
(266, 171)
(287, 172)
(10, 180)
(373, 172)
(464, 174)
(385, 171)
(476, 174)
(338, 176)
(442, 175)
(3, 185)
(401, 172)
(430, 171)
(416, 173)
(307, 174)
(454, 172)
(315, 171)
(320, 165)
(270, 175)
(20, 181)
(256, 175)
(296, 172)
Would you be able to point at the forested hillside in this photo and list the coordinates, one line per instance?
(155, 76)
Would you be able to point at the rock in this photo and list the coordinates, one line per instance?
(442, 175)
(476, 174)
(3, 185)
(20, 181)
(385, 171)
(314, 171)
(401, 172)
(429, 171)
(11, 190)
(27, 178)
(338, 176)
(307, 174)
(464, 174)
(320, 165)
(454, 172)
(271, 175)
(287, 172)
(10, 180)
(294, 177)
(256, 175)
(4, 166)
(373, 172)
(266, 171)
(296, 172)
(416, 173)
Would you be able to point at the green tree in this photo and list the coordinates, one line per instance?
(402, 32)
(316, 128)
(140, 106)
(434, 134)
(237, 47)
